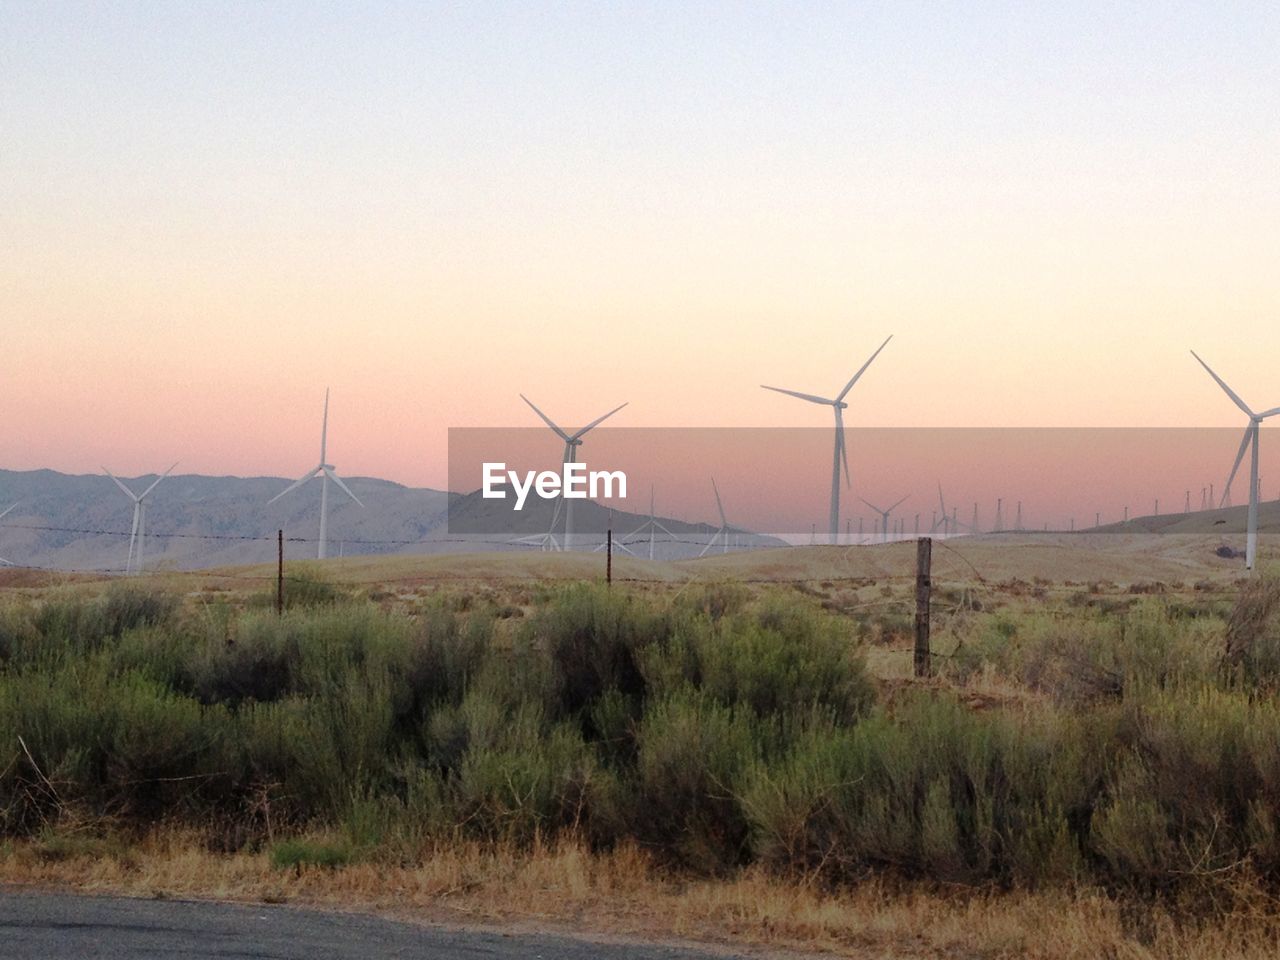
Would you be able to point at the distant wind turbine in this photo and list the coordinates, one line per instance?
(723, 533)
(1250, 442)
(840, 453)
(138, 535)
(653, 525)
(884, 515)
(326, 472)
(571, 443)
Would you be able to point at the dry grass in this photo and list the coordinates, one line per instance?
(1121, 558)
(622, 894)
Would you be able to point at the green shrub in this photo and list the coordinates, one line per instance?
(447, 652)
(784, 661)
(296, 854)
(527, 781)
(934, 790)
(592, 636)
(75, 624)
(1253, 633)
(692, 754)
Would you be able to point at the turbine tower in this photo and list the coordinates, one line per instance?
(571, 443)
(138, 535)
(653, 525)
(327, 473)
(839, 453)
(884, 516)
(4, 513)
(1250, 442)
(723, 533)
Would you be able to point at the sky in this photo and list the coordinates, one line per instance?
(209, 213)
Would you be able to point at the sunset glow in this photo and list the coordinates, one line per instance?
(210, 214)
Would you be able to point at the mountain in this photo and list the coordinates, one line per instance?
(82, 522)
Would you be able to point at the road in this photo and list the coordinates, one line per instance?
(38, 926)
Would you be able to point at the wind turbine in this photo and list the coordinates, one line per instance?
(4, 513)
(723, 533)
(138, 535)
(946, 517)
(840, 453)
(884, 516)
(571, 443)
(327, 473)
(653, 525)
(1250, 441)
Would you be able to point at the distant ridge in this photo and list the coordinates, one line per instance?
(199, 521)
(1224, 520)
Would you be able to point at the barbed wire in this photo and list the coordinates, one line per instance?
(1033, 586)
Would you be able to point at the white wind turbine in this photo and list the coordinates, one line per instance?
(4, 513)
(653, 525)
(884, 516)
(839, 453)
(1250, 441)
(138, 534)
(571, 443)
(327, 473)
(723, 533)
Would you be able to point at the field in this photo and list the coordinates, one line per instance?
(731, 749)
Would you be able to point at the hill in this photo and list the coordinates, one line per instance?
(1225, 520)
(82, 522)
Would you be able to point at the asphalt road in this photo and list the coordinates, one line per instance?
(37, 926)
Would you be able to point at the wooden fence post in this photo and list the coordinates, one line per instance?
(279, 572)
(924, 586)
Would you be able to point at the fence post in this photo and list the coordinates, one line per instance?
(279, 572)
(608, 557)
(924, 586)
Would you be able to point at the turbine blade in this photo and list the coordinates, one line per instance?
(6, 511)
(863, 369)
(1269, 413)
(710, 543)
(723, 521)
(132, 495)
(547, 420)
(803, 396)
(1230, 393)
(295, 485)
(898, 504)
(598, 420)
(156, 481)
(1244, 445)
(942, 506)
(345, 489)
(872, 505)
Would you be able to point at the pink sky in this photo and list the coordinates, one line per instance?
(208, 220)
(778, 480)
